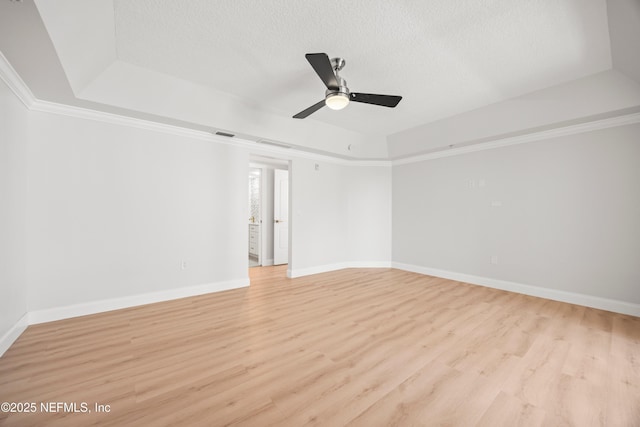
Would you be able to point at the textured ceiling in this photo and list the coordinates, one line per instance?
(444, 57)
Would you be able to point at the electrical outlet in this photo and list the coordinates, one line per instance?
(183, 265)
(494, 259)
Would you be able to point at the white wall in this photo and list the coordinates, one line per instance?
(113, 211)
(13, 190)
(369, 214)
(318, 224)
(341, 214)
(569, 218)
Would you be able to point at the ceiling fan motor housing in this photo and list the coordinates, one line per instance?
(342, 88)
(337, 99)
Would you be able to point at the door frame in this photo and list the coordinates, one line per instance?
(270, 161)
(260, 214)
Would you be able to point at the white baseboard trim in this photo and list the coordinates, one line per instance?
(267, 262)
(12, 334)
(93, 307)
(300, 272)
(536, 291)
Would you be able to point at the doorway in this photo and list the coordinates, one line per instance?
(268, 242)
(255, 216)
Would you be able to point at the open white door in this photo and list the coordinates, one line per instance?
(280, 217)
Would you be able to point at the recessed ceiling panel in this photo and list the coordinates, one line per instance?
(444, 57)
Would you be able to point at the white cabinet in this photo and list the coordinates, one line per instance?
(254, 240)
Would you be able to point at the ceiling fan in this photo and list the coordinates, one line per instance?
(337, 95)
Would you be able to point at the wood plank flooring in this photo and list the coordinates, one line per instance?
(358, 347)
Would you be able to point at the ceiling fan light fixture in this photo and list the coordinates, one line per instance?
(337, 101)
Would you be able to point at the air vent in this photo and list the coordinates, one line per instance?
(275, 144)
(228, 135)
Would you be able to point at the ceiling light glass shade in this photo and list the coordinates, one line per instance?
(337, 101)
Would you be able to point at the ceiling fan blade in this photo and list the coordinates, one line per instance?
(304, 113)
(369, 98)
(322, 66)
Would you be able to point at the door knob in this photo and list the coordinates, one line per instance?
(277, 221)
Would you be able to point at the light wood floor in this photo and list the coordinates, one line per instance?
(362, 347)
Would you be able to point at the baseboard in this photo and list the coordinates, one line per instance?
(93, 307)
(12, 334)
(267, 262)
(300, 272)
(536, 291)
(369, 264)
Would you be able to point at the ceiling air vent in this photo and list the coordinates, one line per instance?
(275, 144)
(228, 135)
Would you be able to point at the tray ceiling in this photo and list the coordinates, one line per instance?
(239, 65)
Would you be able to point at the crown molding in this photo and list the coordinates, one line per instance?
(15, 82)
(522, 139)
(117, 119)
(149, 125)
(9, 75)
